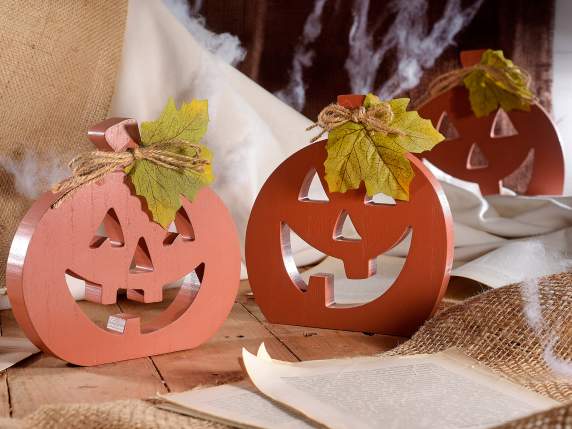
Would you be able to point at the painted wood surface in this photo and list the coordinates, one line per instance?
(102, 234)
(283, 206)
(534, 135)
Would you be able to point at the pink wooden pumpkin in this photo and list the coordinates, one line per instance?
(282, 205)
(504, 154)
(136, 254)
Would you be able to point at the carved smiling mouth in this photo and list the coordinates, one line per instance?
(348, 281)
(129, 312)
(344, 292)
(142, 310)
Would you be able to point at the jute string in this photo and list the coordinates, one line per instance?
(90, 167)
(376, 118)
(449, 80)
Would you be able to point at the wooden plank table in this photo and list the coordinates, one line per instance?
(43, 379)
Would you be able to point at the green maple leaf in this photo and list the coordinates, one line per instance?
(487, 93)
(356, 154)
(162, 187)
(189, 123)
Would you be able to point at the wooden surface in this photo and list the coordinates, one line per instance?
(43, 379)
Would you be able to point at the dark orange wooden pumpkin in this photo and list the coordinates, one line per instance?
(282, 205)
(535, 135)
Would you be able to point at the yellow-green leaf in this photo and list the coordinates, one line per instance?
(418, 135)
(487, 92)
(189, 123)
(162, 187)
(356, 154)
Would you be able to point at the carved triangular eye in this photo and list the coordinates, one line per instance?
(446, 127)
(520, 178)
(141, 261)
(181, 227)
(476, 159)
(109, 229)
(312, 188)
(502, 126)
(345, 228)
(379, 200)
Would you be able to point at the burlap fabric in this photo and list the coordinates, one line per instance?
(502, 329)
(58, 62)
(491, 327)
(556, 418)
(111, 415)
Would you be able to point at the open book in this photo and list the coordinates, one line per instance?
(239, 405)
(444, 390)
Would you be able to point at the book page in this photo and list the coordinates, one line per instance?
(445, 390)
(15, 349)
(238, 404)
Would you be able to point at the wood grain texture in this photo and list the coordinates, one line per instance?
(217, 361)
(43, 379)
(4, 396)
(314, 343)
(523, 29)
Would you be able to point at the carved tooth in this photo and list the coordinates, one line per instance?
(124, 323)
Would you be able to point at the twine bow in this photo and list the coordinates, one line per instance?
(89, 167)
(449, 80)
(376, 118)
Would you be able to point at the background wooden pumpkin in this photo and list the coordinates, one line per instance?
(282, 205)
(535, 135)
(135, 254)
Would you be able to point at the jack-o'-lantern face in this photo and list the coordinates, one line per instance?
(532, 136)
(136, 255)
(283, 206)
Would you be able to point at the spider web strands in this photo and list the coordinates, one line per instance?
(294, 93)
(416, 46)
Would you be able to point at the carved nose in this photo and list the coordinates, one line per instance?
(357, 267)
(356, 264)
(141, 261)
(344, 229)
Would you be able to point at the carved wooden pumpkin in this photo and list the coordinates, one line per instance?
(282, 205)
(535, 132)
(136, 255)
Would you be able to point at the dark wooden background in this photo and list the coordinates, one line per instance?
(270, 29)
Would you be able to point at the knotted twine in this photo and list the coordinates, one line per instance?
(375, 118)
(508, 81)
(90, 167)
